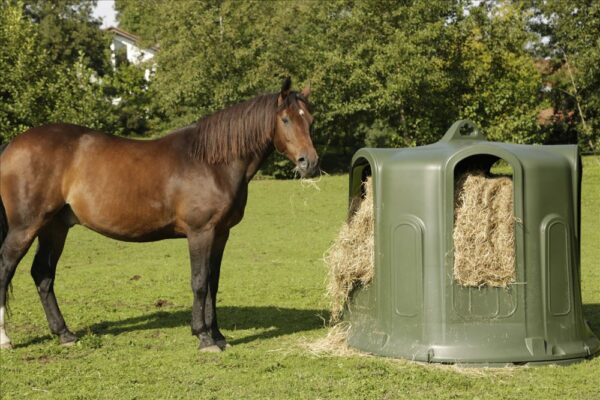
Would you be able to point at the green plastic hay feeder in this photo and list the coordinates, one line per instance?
(414, 309)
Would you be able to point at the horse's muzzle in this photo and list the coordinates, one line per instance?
(308, 167)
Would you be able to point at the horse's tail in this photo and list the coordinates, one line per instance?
(4, 227)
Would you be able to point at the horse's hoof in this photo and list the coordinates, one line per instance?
(68, 339)
(6, 346)
(223, 344)
(211, 349)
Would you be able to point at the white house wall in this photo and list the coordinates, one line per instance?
(135, 55)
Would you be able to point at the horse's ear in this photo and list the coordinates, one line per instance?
(285, 87)
(285, 90)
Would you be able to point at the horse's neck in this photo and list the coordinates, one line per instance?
(255, 162)
(241, 171)
(246, 168)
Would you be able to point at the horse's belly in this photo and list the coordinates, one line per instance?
(129, 228)
(124, 218)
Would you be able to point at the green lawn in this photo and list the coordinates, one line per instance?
(130, 305)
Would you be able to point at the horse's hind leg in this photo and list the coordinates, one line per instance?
(13, 249)
(51, 242)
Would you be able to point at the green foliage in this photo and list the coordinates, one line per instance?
(22, 65)
(573, 32)
(66, 29)
(207, 57)
(40, 82)
(382, 135)
(33, 90)
(141, 17)
(132, 100)
(499, 81)
(76, 96)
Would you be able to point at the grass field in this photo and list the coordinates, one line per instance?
(130, 306)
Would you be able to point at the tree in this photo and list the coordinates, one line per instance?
(66, 29)
(33, 90)
(22, 79)
(140, 17)
(131, 105)
(572, 33)
(500, 85)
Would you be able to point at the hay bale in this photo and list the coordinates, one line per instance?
(484, 238)
(351, 257)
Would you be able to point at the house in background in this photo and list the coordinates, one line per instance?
(125, 48)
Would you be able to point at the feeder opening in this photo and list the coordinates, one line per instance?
(484, 222)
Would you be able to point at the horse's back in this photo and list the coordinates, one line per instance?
(52, 143)
(50, 134)
(111, 184)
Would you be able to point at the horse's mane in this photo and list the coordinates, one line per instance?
(244, 129)
(234, 132)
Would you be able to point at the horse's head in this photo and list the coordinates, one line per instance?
(292, 129)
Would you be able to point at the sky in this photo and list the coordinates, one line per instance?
(105, 9)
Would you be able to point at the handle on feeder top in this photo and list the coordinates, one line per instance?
(463, 129)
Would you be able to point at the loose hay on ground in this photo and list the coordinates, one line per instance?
(484, 239)
(334, 344)
(351, 257)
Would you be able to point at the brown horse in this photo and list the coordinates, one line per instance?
(192, 183)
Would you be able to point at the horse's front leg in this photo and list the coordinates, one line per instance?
(200, 246)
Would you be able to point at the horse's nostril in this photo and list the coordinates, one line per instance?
(302, 162)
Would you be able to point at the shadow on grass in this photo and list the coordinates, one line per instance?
(272, 321)
(591, 313)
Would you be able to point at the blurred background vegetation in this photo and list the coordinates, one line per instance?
(382, 73)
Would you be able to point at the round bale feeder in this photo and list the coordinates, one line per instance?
(418, 306)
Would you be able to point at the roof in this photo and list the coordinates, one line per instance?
(136, 39)
(123, 33)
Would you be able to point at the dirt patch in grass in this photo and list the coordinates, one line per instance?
(162, 303)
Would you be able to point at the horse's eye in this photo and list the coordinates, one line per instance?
(285, 120)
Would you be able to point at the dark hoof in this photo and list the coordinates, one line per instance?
(207, 344)
(223, 344)
(67, 338)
